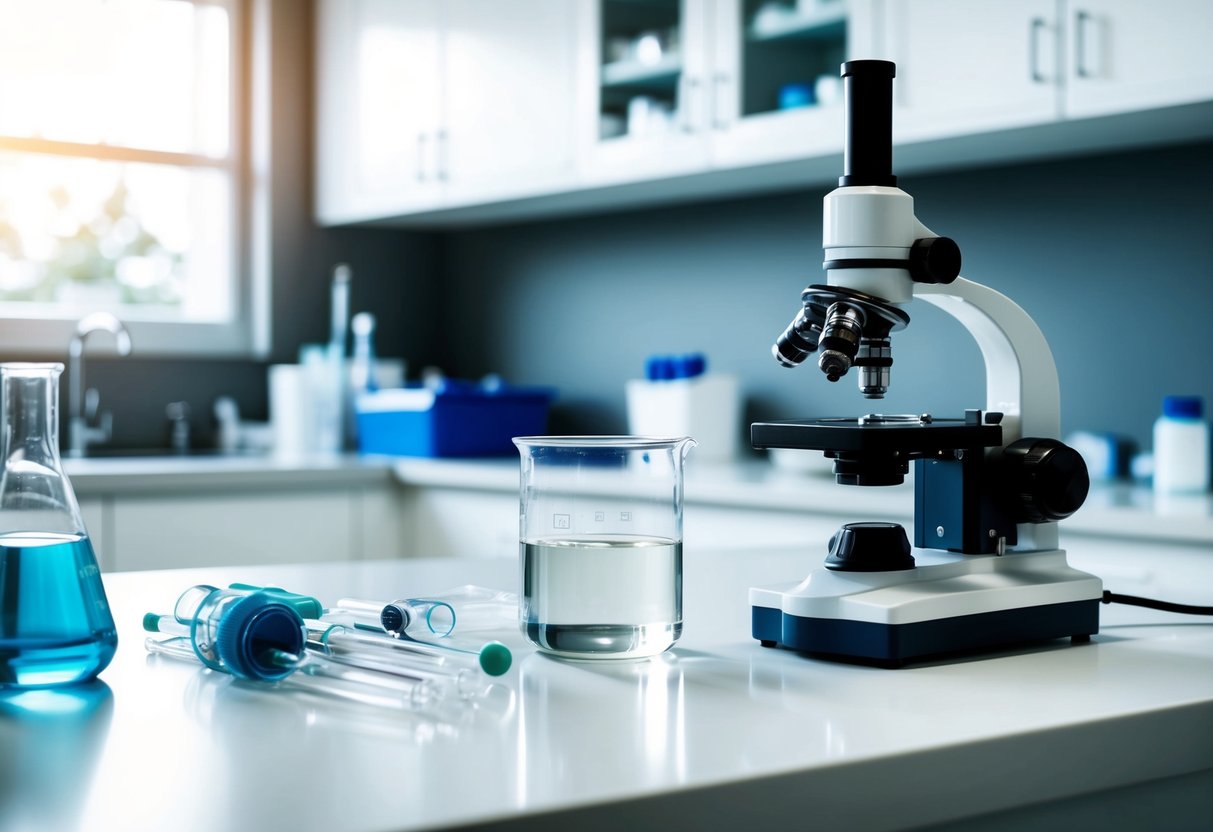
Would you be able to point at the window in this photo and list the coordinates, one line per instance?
(121, 152)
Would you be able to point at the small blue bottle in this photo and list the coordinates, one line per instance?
(55, 622)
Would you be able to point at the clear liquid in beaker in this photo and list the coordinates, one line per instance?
(602, 596)
(55, 624)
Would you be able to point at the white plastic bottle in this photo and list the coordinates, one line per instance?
(1181, 447)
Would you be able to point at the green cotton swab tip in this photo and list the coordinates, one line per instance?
(495, 658)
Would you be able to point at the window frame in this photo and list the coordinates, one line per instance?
(247, 333)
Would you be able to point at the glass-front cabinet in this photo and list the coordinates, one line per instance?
(675, 86)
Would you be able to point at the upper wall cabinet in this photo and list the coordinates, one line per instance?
(966, 67)
(442, 113)
(428, 103)
(1125, 55)
(670, 87)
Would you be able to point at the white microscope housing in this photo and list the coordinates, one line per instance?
(985, 569)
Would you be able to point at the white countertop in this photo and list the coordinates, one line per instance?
(1119, 510)
(167, 473)
(717, 733)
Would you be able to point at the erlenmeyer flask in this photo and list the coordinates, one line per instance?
(55, 623)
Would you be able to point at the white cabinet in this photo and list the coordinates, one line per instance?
(442, 112)
(967, 67)
(457, 522)
(377, 107)
(508, 98)
(674, 87)
(1126, 55)
(776, 91)
(642, 89)
(421, 103)
(205, 527)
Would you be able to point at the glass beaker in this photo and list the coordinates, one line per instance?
(55, 623)
(600, 544)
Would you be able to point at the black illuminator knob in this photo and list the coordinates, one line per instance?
(934, 260)
(1048, 480)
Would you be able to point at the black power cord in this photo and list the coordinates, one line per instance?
(1165, 606)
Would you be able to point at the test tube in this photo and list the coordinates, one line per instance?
(426, 624)
(381, 652)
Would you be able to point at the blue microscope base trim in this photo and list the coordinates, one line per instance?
(896, 644)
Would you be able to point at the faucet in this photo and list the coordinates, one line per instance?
(83, 404)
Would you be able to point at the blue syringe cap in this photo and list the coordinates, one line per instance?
(253, 627)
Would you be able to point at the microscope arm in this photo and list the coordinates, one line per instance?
(1021, 376)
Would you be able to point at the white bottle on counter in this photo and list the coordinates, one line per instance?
(1181, 447)
(678, 397)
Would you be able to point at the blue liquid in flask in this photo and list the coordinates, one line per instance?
(55, 623)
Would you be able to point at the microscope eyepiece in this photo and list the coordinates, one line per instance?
(868, 101)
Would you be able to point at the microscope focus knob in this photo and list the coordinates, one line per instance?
(870, 547)
(1048, 480)
(934, 260)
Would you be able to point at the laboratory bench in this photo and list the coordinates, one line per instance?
(717, 733)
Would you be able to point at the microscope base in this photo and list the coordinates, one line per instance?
(948, 604)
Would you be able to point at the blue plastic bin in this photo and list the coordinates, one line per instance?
(456, 419)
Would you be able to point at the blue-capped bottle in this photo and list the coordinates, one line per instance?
(55, 622)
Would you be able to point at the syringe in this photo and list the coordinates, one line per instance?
(424, 625)
(253, 636)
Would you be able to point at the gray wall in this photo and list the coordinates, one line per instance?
(1112, 256)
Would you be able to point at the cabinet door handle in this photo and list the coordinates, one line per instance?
(421, 142)
(690, 86)
(1081, 20)
(720, 87)
(442, 152)
(1037, 26)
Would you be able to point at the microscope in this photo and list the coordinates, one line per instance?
(984, 571)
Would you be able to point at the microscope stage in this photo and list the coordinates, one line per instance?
(874, 434)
